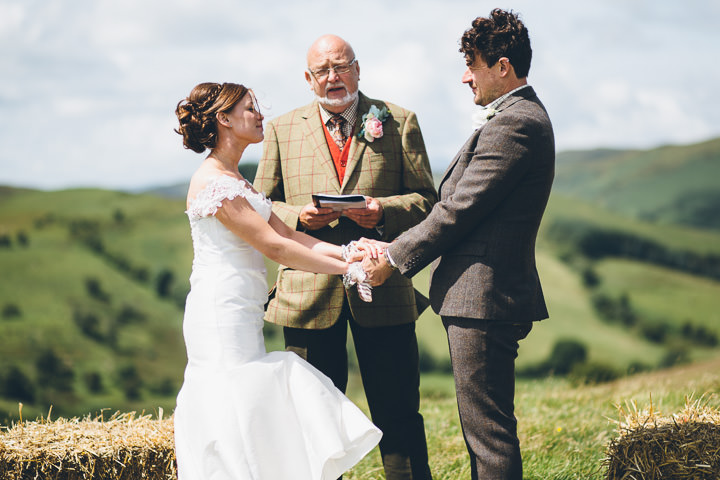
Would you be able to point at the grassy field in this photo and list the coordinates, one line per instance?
(47, 280)
(661, 293)
(564, 429)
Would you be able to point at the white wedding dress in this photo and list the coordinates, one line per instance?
(243, 413)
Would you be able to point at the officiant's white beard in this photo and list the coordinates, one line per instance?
(338, 102)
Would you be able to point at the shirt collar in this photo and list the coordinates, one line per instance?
(500, 99)
(349, 114)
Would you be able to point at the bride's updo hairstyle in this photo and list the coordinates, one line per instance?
(197, 113)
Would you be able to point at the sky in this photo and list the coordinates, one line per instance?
(88, 88)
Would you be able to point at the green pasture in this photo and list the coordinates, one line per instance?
(642, 183)
(662, 293)
(47, 281)
(563, 207)
(564, 429)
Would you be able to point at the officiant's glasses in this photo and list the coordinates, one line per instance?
(322, 73)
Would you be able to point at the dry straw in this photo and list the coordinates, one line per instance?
(652, 446)
(125, 446)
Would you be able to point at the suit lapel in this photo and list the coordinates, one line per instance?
(526, 92)
(314, 133)
(450, 168)
(356, 145)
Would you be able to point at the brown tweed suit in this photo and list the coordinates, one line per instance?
(394, 169)
(481, 234)
(316, 309)
(481, 237)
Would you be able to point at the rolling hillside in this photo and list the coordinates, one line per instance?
(90, 300)
(675, 184)
(94, 282)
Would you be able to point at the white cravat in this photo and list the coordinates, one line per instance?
(480, 117)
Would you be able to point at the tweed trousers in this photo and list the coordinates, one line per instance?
(483, 357)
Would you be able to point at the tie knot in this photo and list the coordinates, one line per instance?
(336, 121)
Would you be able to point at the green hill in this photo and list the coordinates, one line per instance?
(674, 184)
(94, 284)
(90, 300)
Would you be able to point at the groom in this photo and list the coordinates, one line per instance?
(481, 235)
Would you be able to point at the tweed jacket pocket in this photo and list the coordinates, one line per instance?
(306, 300)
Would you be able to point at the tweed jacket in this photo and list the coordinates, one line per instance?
(395, 169)
(481, 234)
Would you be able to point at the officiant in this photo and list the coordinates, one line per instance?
(346, 143)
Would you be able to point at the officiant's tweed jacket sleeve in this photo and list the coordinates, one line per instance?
(297, 163)
(481, 234)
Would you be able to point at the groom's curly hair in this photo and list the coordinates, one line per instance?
(502, 34)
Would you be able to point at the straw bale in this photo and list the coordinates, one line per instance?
(125, 446)
(652, 446)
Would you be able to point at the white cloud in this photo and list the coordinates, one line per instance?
(89, 86)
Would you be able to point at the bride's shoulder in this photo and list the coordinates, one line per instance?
(203, 179)
(209, 188)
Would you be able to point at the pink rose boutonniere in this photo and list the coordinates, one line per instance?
(371, 127)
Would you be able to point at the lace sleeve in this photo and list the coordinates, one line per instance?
(210, 198)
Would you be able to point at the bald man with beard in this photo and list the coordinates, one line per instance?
(325, 148)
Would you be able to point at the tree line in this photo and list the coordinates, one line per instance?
(597, 243)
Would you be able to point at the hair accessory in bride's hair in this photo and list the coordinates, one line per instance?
(214, 93)
(355, 275)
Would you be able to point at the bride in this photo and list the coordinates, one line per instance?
(243, 413)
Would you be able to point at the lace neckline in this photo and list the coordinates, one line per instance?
(217, 189)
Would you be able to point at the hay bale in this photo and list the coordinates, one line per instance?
(126, 446)
(651, 446)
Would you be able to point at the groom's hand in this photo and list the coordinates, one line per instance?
(378, 269)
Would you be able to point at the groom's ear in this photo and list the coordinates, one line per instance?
(505, 66)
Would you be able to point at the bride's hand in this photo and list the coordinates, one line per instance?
(371, 248)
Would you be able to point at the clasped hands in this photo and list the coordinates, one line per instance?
(370, 252)
(374, 262)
